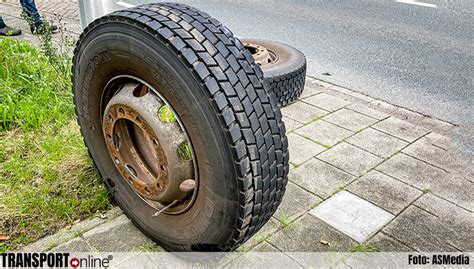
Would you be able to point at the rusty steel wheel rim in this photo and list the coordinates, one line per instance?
(261, 54)
(153, 155)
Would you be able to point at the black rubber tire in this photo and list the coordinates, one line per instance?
(221, 97)
(287, 74)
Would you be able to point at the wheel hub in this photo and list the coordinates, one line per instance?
(145, 148)
(260, 54)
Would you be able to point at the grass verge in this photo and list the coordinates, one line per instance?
(47, 180)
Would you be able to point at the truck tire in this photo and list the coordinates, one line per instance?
(128, 67)
(283, 66)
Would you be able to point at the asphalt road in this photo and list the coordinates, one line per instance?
(417, 56)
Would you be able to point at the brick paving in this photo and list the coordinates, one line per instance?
(363, 171)
(66, 9)
(64, 13)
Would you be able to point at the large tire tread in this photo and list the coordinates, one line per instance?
(252, 120)
(288, 87)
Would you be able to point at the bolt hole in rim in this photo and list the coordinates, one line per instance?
(120, 127)
(261, 54)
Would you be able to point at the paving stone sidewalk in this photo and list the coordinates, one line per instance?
(363, 173)
(67, 9)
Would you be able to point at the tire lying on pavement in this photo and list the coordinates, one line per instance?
(283, 66)
(181, 125)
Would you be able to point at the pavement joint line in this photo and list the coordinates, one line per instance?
(276, 247)
(345, 96)
(316, 157)
(296, 121)
(395, 216)
(359, 95)
(395, 239)
(416, 158)
(321, 107)
(370, 169)
(372, 127)
(280, 228)
(385, 158)
(300, 217)
(314, 120)
(428, 212)
(89, 244)
(312, 206)
(305, 190)
(361, 130)
(401, 149)
(348, 108)
(294, 164)
(353, 132)
(365, 150)
(357, 177)
(289, 256)
(318, 143)
(322, 198)
(320, 117)
(445, 149)
(423, 136)
(292, 131)
(339, 142)
(453, 246)
(382, 131)
(343, 187)
(433, 193)
(335, 87)
(419, 114)
(340, 232)
(302, 98)
(308, 122)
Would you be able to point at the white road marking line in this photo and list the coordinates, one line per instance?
(125, 4)
(413, 2)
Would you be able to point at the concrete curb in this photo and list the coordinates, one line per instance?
(64, 235)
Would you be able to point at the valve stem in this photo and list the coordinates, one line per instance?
(163, 209)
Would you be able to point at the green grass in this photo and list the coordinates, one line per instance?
(295, 164)
(149, 247)
(364, 248)
(184, 152)
(30, 96)
(286, 220)
(313, 120)
(317, 142)
(47, 180)
(339, 190)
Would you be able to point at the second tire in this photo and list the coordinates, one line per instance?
(283, 66)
